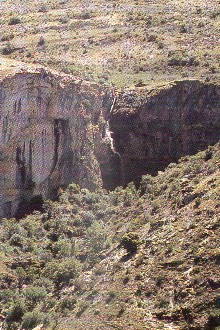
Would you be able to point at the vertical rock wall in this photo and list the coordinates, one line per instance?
(156, 126)
(51, 134)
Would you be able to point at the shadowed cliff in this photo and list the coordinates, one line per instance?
(156, 125)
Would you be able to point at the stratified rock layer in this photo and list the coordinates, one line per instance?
(154, 127)
(52, 133)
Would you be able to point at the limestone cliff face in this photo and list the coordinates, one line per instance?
(52, 133)
(154, 127)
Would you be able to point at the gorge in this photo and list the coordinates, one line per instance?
(54, 131)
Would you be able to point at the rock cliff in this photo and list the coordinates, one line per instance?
(52, 132)
(153, 127)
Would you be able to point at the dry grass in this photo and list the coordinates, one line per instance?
(119, 42)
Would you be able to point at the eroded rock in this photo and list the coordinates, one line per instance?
(153, 127)
(51, 134)
(54, 131)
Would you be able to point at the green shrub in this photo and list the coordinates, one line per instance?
(73, 188)
(7, 37)
(197, 202)
(152, 38)
(61, 272)
(32, 319)
(213, 321)
(63, 20)
(42, 9)
(41, 41)
(163, 303)
(81, 306)
(96, 235)
(16, 240)
(45, 283)
(88, 218)
(35, 294)
(8, 49)
(183, 28)
(7, 280)
(14, 20)
(208, 154)
(130, 242)
(16, 312)
(86, 15)
(91, 198)
(110, 296)
(7, 295)
(67, 303)
(63, 248)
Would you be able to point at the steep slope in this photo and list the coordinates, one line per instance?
(146, 259)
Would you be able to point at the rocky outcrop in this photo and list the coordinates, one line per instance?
(52, 133)
(155, 127)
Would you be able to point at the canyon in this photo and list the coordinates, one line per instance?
(56, 129)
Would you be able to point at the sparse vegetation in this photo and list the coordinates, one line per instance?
(8, 49)
(7, 37)
(97, 246)
(130, 242)
(41, 41)
(165, 41)
(133, 258)
(14, 20)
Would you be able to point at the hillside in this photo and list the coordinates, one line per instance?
(119, 42)
(128, 259)
(109, 165)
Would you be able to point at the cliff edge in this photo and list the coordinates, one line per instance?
(52, 132)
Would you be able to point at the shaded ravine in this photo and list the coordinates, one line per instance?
(155, 126)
